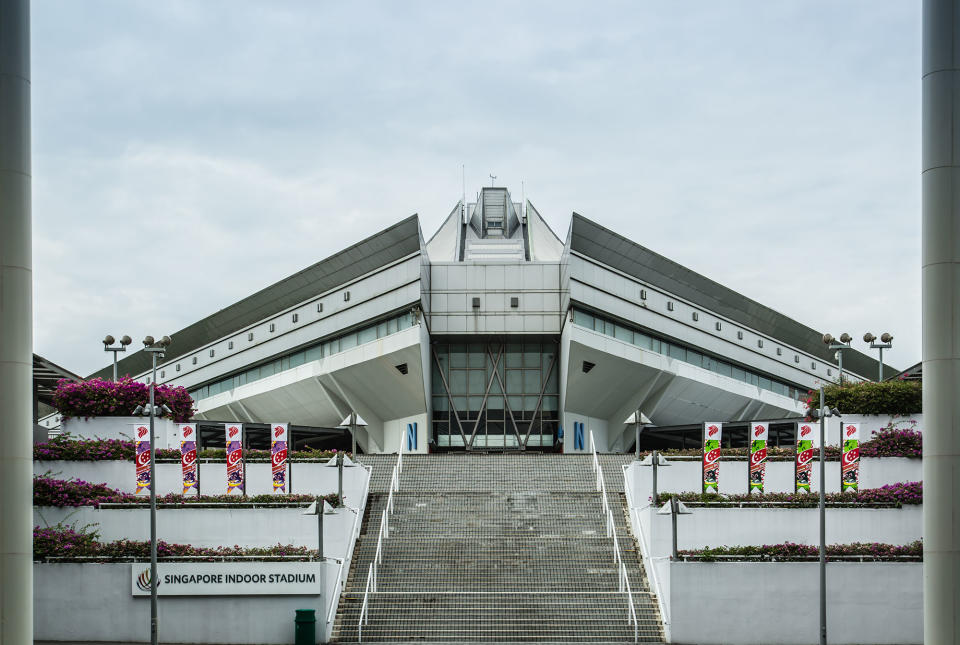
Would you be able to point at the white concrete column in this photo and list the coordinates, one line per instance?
(941, 320)
(16, 331)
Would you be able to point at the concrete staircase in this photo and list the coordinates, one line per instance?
(496, 548)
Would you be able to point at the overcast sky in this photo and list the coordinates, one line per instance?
(189, 154)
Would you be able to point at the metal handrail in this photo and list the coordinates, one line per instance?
(345, 562)
(384, 532)
(638, 536)
(623, 580)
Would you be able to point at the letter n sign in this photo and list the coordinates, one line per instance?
(412, 436)
(578, 436)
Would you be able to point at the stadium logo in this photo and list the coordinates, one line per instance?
(758, 431)
(713, 430)
(187, 431)
(143, 580)
(851, 430)
(233, 431)
(278, 431)
(805, 430)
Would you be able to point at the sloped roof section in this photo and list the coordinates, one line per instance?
(591, 239)
(545, 246)
(390, 244)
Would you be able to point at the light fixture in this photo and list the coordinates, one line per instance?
(886, 342)
(108, 341)
(839, 345)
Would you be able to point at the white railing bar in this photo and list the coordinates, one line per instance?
(353, 541)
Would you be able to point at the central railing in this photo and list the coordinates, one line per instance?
(622, 577)
(384, 534)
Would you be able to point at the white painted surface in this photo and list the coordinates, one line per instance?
(711, 527)
(308, 477)
(684, 475)
(211, 527)
(120, 428)
(92, 602)
(766, 603)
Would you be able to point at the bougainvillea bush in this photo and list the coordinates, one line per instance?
(48, 491)
(908, 493)
(66, 543)
(894, 441)
(67, 449)
(791, 551)
(885, 397)
(100, 398)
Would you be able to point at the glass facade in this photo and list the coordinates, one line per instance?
(495, 393)
(312, 353)
(685, 354)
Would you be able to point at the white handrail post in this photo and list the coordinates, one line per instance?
(386, 523)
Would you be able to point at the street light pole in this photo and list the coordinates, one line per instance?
(823, 530)
(108, 341)
(839, 346)
(886, 342)
(156, 349)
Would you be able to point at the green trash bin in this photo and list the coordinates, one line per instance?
(305, 627)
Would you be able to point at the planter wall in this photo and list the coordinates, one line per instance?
(92, 602)
(211, 527)
(164, 430)
(776, 603)
(311, 478)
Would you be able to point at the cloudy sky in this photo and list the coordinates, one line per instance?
(189, 154)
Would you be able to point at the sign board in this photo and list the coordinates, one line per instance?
(229, 578)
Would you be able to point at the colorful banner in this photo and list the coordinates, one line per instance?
(850, 463)
(758, 456)
(711, 457)
(235, 471)
(278, 456)
(188, 458)
(806, 440)
(142, 433)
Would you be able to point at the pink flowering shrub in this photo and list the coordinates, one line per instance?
(907, 493)
(64, 448)
(791, 551)
(100, 398)
(67, 543)
(48, 491)
(894, 441)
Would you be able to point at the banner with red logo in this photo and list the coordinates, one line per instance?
(278, 456)
(711, 457)
(758, 456)
(142, 434)
(235, 470)
(806, 441)
(850, 460)
(188, 458)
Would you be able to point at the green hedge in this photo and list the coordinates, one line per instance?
(886, 397)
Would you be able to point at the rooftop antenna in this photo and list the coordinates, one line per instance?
(492, 178)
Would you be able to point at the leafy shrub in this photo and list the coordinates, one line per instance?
(100, 398)
(896, 494)
(64, 448)
(885, 397)
(48, 491)
(68, 543)
(791, 551)
(894, 441)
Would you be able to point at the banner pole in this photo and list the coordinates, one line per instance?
(823, 532)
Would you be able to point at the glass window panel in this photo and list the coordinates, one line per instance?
(531, 381)
(696, 358)
(348, 341)
(392, 326)
(516, 404)
(458, 381)
(514, 382)
(241, 378)
(550, 403)
(495, 403)
(313, 353)
(297, 359)
(477, 381)
(476, 402)
(529, 403)
(514, 355)
(253, 374)
(765, 383)
(443, 439)
(553, 385)
(753, 379)
(455, 439)
(460, 403)
(381, 329)
(440, 404)
(582, 318)
(368, 334)
(531, 356)
(675, 351)
(284, 363)
(622, 333)
(739, 373)
(598, 325)
(458, 356)
(724, 368)
(477, 356)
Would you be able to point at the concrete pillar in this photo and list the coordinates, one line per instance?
(16, 332)
(941, 320)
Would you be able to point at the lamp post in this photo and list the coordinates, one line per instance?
(108, 341)
(639, 421)
(156, 348)
(822, 413)
(353, 421)
(838, 344)
(886, 342)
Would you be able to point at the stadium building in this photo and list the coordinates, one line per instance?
(495, 334)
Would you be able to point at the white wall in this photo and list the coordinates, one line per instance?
(211, 527)
(309, 478)
(92, 602)
(870, 423)
(394, 429)
(685, 475)
(711, 527)
(777, 602)
(164, 430)
(599, 427)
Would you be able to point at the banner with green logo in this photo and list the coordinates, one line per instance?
(711, 457)
(758, 456)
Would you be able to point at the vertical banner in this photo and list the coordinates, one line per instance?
(758, 456)
(278, 456)
(804, 463)
(188, 458)
(234, 440)
(142, 433)
(711, 457)
(850, 459)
